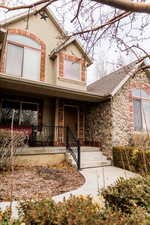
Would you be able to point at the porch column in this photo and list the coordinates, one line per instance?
(81, 125)
(59, 122)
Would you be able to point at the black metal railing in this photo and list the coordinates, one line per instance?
(37, 136)
(73, 146)
(47, 136)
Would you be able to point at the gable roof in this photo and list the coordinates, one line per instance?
(54, 52)
(51, 15)
(110, 84)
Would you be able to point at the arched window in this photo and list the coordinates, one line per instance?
(141, 109)
(23, 57)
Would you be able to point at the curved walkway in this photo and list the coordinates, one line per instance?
(95, 180)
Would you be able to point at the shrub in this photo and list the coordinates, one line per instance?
(79, 210)
(5, 219)
(142, 140)
(125, 157)
(142, 163)
(126, 195)
(131, 158)
(6, 143)
(38, 212)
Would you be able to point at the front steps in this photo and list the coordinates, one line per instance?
(92, 157)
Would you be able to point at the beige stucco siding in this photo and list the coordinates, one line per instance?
(47, 32)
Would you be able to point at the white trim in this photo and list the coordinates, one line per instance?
(130, 74)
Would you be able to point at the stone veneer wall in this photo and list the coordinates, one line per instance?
(98, 126)
(111, 123)
(122, 109)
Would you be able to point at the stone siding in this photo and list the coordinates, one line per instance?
(122, 109)
(111, 123)
(98, 126)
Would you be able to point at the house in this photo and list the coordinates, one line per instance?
(126, 110)
(43, 78)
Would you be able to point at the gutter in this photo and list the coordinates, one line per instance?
(50, 90)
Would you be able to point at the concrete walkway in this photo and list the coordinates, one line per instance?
(95, 180)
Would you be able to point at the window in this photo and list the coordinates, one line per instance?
(26, 114)
(23, 57)
(71, 69)
(141, 109)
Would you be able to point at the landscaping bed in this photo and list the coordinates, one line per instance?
(39, 182)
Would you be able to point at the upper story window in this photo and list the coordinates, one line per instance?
(23, 57)
(141, 109)
(72, 69)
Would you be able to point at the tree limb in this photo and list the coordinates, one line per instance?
(12, 8)
(111, 21)
(127, 5)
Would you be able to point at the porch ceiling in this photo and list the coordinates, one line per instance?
(45, 89)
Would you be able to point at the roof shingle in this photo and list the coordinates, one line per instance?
(107, 84)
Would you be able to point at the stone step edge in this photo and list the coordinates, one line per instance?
(97, 163)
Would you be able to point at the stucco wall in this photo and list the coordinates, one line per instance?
(99, 126)
(47, 32)
(122, 109)
(40, 160)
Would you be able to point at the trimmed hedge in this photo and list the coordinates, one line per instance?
(131, 158)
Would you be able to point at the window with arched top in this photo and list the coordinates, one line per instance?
(23, 57)
(141, 109)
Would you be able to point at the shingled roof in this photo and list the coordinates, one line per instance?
(107, 84)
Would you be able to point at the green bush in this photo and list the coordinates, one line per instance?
(131, 158)
(129, 194)
(79, 210)
(5, 219)
(124, 157)
(38, 212)
(142, 163)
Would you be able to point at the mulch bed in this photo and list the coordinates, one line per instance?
(38, 182)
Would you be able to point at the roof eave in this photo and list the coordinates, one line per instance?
(130, 74)
(54, 53)
(45, 89)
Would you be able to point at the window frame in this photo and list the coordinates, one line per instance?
(141, 99)
(20, 102)
(22, 46)
(73, 61)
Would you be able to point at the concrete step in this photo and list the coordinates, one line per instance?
(93, 164)
(94, 159)
(89, 149)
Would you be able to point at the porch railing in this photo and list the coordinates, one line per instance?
(51, 136)
(73, 146)
(47, 136)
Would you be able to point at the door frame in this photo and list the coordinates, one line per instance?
(78, 111)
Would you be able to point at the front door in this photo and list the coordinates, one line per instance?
(71, 118)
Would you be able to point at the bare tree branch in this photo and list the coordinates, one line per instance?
(111, 21)
(127, 5)
(12, 8)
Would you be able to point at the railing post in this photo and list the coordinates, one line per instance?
(67, 137)
(79, 155)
